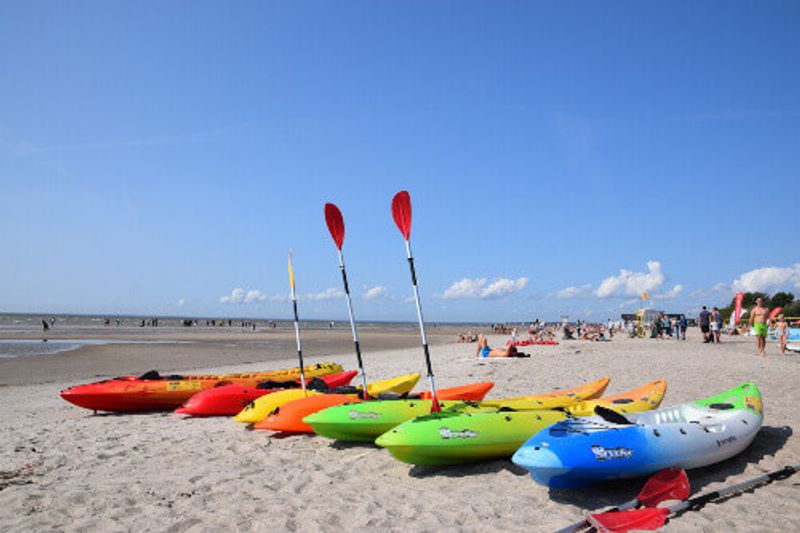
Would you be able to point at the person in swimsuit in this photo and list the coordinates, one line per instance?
(484, 350)
(782, 328)
(759, 318)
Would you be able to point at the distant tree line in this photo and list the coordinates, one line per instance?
(791, 307)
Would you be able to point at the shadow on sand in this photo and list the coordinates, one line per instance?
(348, 445)
(769, 440)
(492, 467)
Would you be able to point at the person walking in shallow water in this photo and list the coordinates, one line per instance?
(759, 318)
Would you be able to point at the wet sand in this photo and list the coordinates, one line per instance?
(186, 349)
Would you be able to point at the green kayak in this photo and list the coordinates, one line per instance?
(363, 422)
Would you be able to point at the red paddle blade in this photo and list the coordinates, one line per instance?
(333, 217)
(667, 484)
(633, 520)
(401, 211)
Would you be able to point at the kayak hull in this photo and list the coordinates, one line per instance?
(580, 452)
(457, 438)
(227, 400)
(133, 394)
(366, 422)
(290, 417)
(259, 409)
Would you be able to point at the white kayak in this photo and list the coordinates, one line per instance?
(582, 451)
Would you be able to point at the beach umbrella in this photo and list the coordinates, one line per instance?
(335, 222)
(401, 212)
(297, 325)
(651, 519)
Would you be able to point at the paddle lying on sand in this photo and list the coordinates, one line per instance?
(651, 519)
(667, 484)
(401, 212)
(297, 325)
(335, 222)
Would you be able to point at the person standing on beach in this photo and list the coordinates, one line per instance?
(704, 320)
(782, 328)
(716, 325)
(759, 318)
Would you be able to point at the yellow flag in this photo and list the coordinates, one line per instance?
(644, 296)
(291, 272)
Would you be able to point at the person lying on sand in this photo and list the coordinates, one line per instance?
(483, 350)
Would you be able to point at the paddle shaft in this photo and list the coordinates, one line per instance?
(297, 337)
(699, 501)
(421, 322)
(353, 324)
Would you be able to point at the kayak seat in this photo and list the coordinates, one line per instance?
(611, 416)
(721, 406)
(389, 396)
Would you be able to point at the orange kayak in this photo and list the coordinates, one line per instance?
(289, 417)
(227, 400)
(152, 392)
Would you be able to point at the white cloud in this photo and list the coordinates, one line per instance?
(721, 288)
(235, 297)
(254, 295)
(278, 298)
(671, 294)
(375, 292)
(478, 288)
(466, 288)
(241, 296)
(181, 302)
(627, 284)
(632, 283)
(768, 279)
(574, 292)
(503, 287)
(327, 294)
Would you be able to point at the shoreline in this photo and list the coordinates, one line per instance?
(169, 352)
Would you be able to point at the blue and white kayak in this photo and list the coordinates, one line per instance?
(582, 451)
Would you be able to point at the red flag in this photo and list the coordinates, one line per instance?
(737, 307)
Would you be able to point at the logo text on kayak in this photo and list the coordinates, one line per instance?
(603, 454)
(447, 434)
(355, 415)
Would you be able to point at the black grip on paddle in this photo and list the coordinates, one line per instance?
(783, 473)
(294, 308)
(700, 501)
(358, 354)
(300, 359)
(427, 359)
(413, 271)
(344, 281)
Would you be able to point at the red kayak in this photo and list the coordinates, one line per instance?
(153, 392)
(228, 400)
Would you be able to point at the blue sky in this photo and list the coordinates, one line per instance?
(560, 156)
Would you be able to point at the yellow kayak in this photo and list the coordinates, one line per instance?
(259, 409)
(454, 438)
(551, 400)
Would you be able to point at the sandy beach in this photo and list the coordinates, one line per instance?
(64, 468)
